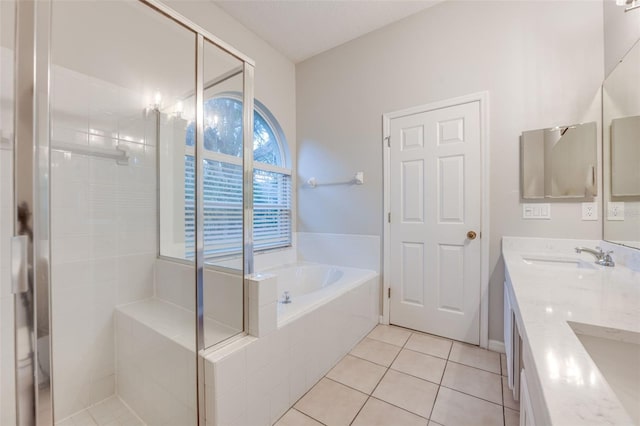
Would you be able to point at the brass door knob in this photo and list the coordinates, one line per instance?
(471, 235)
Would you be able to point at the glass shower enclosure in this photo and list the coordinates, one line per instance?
(114, 172)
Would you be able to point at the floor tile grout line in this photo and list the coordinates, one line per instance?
(340, 383)
(354, 356)
(298, 400)
(391, 403)
(424, 353)
(474, 396)
(376, 363)
(435, 399)
(359, 410)
(304, 414)
(412, 376)
(504, 417)
(418, 377)
(471, 366)
(379, 381)
(397, 406)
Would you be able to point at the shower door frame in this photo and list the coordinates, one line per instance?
(32, 185)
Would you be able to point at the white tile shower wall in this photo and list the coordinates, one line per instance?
(222, 291)
(263, 304)
(103, 230)
(156, 375)
(357, 251)
(255, 380)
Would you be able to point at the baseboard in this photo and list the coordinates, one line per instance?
(496, 346)
(381, 320)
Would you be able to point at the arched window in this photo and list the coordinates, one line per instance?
(223, 178)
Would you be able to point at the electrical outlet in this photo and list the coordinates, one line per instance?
(589, 211)
(615, 210)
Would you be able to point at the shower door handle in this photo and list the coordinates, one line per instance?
(19, 264)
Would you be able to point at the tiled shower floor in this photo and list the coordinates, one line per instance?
(398, 377)
(110, 412)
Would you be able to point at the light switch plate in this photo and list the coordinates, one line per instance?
(589, 211)
(615, 210)
(536, 211)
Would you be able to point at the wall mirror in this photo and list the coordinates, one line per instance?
(621, 151)
(559, 162)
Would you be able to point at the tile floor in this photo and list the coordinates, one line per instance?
(110, 412)
(398, 377)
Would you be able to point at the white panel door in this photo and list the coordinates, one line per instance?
(435, 197)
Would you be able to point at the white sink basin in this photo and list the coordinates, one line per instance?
(558, 262)
(616, 353)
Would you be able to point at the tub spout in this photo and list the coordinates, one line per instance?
(286, 297)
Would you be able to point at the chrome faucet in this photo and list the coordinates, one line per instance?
(602, 258)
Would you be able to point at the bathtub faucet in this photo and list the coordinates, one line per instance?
(286, 297)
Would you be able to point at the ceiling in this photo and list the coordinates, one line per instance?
(303, 28)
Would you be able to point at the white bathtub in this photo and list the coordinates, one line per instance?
(293, 345)
(310, 285)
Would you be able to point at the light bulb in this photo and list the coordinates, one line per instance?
(157, 100)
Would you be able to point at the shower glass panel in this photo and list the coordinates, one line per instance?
(222, 194)
(7, 377)
(123, 319)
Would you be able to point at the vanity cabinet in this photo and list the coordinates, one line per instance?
(526, 409)
(512, 343)
(514, 348)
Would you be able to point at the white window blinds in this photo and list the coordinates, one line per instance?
(222, 200)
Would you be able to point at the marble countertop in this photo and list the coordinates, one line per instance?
(547, 298)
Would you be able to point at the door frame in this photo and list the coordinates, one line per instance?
(483, 99)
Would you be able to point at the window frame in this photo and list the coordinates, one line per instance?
(267, 116)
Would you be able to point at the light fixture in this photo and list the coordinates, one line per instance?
(157, 100)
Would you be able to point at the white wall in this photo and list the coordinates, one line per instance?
(541, 62)
(621, 31)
